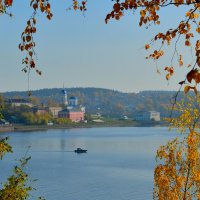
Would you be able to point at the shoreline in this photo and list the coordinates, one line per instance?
(27, 128)
(7, 128)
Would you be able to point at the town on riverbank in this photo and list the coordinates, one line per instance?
(73, 111)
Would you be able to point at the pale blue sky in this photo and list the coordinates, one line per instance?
(83, 51)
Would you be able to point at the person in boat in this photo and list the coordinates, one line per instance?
(79, 150)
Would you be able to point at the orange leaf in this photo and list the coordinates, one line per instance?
(191, 75)
(198, 30)
(8, 2)
(147, 46)
(35, 6)
(187, 43)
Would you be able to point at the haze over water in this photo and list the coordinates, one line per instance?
(118, 166)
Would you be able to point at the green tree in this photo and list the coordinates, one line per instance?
(18, 185)
(15, 114)
(31, 118)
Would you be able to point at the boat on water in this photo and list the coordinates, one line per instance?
(79, 150)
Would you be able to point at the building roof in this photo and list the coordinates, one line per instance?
(39, 108)
(73, 98)
(3, 121)
(18, 101)
(75, 109)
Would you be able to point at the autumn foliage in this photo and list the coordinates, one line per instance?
(177, 175)
(178, 178)
(186, 29)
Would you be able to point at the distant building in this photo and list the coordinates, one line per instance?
(40, 110)
(96, 116)
(124, 117)
(54, 111)
(19, 102)
(73, 101)
(4, 122)
(76, 115)
(71, 109)
(98, 120)
(64, 92)
(148, 116)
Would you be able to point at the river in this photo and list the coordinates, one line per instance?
(118, 166)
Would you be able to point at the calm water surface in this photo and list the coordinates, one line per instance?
(118, 166)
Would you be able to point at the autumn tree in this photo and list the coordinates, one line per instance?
(177, 175)
(31, 118)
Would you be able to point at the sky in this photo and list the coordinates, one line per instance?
(83, 51)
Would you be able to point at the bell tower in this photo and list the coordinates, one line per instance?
(64, 93)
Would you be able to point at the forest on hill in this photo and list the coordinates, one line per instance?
(110, 103)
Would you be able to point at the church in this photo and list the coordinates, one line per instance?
(71, 109)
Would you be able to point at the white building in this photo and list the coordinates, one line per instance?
(148, 116)
(55, 110)
(19, 102)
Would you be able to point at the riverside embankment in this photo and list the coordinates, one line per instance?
(113, 123)
(6, 129)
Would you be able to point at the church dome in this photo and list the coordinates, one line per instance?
(73, 98)
(73, 101)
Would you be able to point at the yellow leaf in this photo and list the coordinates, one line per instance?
(186, 89)
(142, 13)
(196, 15)
(168, 76)
(187, 14)
(198, 30)
(195, 91)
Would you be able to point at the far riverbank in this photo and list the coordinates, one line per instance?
(113, 123)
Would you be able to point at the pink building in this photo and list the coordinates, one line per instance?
(71, 109)
(75, 114)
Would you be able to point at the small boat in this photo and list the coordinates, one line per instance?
(79, 150)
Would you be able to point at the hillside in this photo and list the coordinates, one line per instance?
(108, 102)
